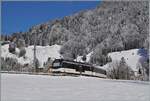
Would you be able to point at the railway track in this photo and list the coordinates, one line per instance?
(53, 74)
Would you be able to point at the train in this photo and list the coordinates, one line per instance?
(68, 67)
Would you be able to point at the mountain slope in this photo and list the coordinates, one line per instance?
(132, 58)
(113, 25)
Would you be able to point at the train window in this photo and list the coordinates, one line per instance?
(56, 64)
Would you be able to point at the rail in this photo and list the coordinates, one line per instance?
(53, 74)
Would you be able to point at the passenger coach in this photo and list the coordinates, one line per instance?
(76, 68)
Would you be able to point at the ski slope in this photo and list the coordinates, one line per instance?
(23, 87)
(42, 53)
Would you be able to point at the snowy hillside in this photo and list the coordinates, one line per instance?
(43, 53)
(21, 87)
(131, 57)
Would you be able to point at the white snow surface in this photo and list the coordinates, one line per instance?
(79, 58)
(24, 87)
(131, 57)
(42, 53)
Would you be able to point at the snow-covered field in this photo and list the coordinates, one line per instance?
(23, 87)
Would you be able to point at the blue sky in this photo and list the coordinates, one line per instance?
(20, 16)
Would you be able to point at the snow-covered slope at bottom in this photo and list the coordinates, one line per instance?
(42, 52)
(21, 87)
